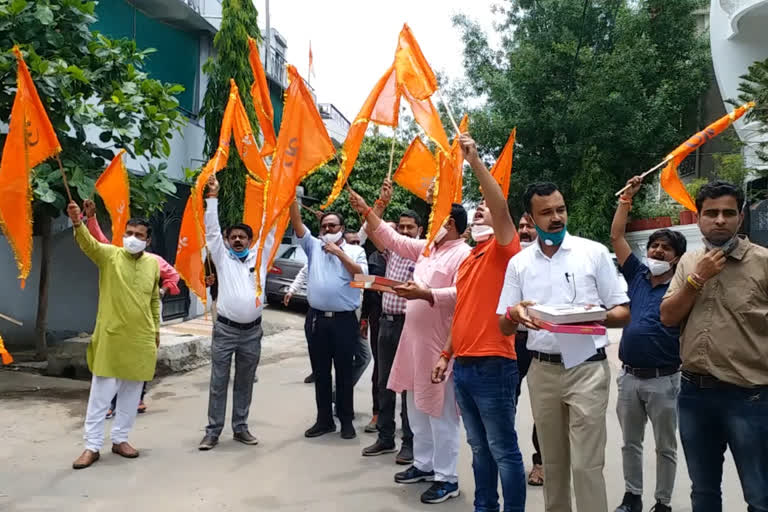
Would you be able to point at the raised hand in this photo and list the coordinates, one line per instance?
(74, 213)
(634, 185)
(357, 202)
(386, 192)
(213, 186)
(468, 147)
(90, 208)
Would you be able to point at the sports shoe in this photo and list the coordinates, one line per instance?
(631, 503)
(379, 448)
(371, 428)
(440, 492)
(413, 475)
(208, 443)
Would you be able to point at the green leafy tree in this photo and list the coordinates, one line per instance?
(754, 87)
(231, 45)
(86, 81)
(599, 91)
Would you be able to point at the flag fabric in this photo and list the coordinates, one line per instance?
(31, 140)
(5, 356)
(425, 114)
(303, 146)
(383, 103)
(261, 99)
(443, 194)
(502, 169)
(413, 71)
(244, 138)
(417, 169)
(458, 156)
(670, 180)
(253, 209)
(114, 189)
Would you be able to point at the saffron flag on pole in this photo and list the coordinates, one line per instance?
(443, 194)
(5, 356)
(31, 140)
(114, 189)
(253, 209)
(425, 114)
(244, 138)
(303, 145)
(262, 102)
(457, 153)
(413, 71)
(382, 104)
(502, 169)
(417, 169)
(670, 180)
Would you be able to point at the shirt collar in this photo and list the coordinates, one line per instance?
(740, 250)
(569, 242)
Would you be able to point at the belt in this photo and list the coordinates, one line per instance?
(709, 382)
(237, 325)
(331, 314)
(475, 360)
(393, 318)
(651, 373)
(558, 359)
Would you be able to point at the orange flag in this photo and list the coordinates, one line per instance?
(114, 190)
(302, 147)
(670, 180)
(254, 205)
(6, 357)
(413, 71)
(456, 152)
(31, 140)
(243, 133)
(502, 169)
(417, 169)
(261, 99)
(383, 104)
(425, 114)
(444, 192)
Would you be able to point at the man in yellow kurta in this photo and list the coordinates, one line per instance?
(123, 349)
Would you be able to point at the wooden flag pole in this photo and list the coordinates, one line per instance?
(64, 176)
(12, 320)
(646, 173)
(391, 155)
(450, 113)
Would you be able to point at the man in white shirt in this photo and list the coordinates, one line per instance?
(569, 404)
(237, 330)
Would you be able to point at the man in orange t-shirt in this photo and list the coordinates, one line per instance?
(485, 372)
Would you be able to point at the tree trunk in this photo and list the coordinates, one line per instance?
(41, 325)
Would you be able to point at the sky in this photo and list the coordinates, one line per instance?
(354, 41)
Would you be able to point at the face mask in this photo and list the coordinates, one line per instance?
(727, 247)
(524, 244)
(481, 233)
(440, 235)
(551, 239)
(133, 245)
(331, 238)
(241, 254)
(657, 267)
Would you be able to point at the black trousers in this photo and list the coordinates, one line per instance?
(389, 338)
(523, 364)
(373, 320)
(332, 339)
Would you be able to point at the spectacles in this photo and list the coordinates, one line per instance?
(329, 226)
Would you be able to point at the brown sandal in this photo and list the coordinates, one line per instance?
(536, 477)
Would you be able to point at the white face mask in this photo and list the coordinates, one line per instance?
(481, 233)
(133, 245)
(657, 267)
(524, 244)
(440, 235)
(331, 238)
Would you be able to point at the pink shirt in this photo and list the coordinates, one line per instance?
(169, 278)
(426, 327)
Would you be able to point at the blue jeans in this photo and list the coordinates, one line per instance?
(485, 390)
(710, 421)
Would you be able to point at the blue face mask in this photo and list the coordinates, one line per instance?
(551, 239)
(240, 255)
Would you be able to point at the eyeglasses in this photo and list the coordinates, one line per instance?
(329, 226)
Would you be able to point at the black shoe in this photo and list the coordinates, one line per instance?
(208, 443)
(318, 430)
(348, 431)
(631, 503)
(379, 448)
(660, 507)
(405, 456)
(413, 475)
(440, 492)
(245, 437)
(309, 379)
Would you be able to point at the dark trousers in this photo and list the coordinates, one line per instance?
(523, 364)
(389, 339)
(373, 337)
(712, 420)
(332, 340)
(485, 391)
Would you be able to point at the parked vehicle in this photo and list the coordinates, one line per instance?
(282, 274)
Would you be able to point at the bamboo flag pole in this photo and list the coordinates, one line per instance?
(450, 113)
(391, 155)
(12, 320)
(64, 176)
(646, 173)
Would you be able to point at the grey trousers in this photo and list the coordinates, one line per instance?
(246, 347)
(638, 401)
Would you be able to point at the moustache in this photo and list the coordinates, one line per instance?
(556, 226)
(526, 237)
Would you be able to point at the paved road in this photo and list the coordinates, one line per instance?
(40, 436)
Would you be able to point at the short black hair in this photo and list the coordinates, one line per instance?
(140, 222)
(328, 214)
(459, 216)
(241, 227)
(350, 232)
(542, 188)
(413, 215)
(717, 189)
(673, 238)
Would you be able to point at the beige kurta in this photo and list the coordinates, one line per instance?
(123, 342)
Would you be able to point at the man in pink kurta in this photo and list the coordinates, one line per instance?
(432, 409)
